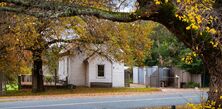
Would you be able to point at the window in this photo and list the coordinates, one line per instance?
(101, 70)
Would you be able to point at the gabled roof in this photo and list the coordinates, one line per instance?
(94, 55)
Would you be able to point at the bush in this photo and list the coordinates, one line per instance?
(130, 81)
(11, 87)
(48, 79)
(192, 85)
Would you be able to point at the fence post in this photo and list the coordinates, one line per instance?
(173, 107)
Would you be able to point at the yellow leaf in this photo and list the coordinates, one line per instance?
(157, 2)
(188, 28)
(195, 27)
(213, 31)
(194, 54)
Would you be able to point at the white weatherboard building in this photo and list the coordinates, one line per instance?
(91, 71)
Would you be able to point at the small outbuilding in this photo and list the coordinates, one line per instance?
(164, 77)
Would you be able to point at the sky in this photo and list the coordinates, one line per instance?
(126, 6)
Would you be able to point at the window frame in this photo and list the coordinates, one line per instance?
(98, 70)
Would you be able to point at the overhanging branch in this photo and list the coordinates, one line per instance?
(58, 9)
(60, 41)
(163, 14)
(19, 2)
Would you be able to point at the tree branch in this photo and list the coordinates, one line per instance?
(21, 10)
(55, 9)
(60, 41)
(19, 2)
(163, 14)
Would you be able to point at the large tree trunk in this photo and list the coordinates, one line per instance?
(213, 61)
(214, 64)
(37, 73)
(215, 91)
(212, 56)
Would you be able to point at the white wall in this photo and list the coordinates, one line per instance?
(77, 70)
(118, 75)
(144, 74)
(97, 60)
(135, 75)
(141, 75)
(87, 74)
(62, 70)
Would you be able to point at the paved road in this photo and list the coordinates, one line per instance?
(115, 102)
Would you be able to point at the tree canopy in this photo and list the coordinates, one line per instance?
(44, 38)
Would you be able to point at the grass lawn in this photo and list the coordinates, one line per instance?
(79, 90)
(3, 101)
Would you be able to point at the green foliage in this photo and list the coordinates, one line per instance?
(51, 59)
(48, 79)
(130, 80)
(166, 48)
(168, 51)
(192, 85)
(196, 66)
(11, 87)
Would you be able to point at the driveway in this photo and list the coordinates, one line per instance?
(165, 98)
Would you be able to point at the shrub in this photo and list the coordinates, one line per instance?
(192, 85)
(11, 87)
(48, 79)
